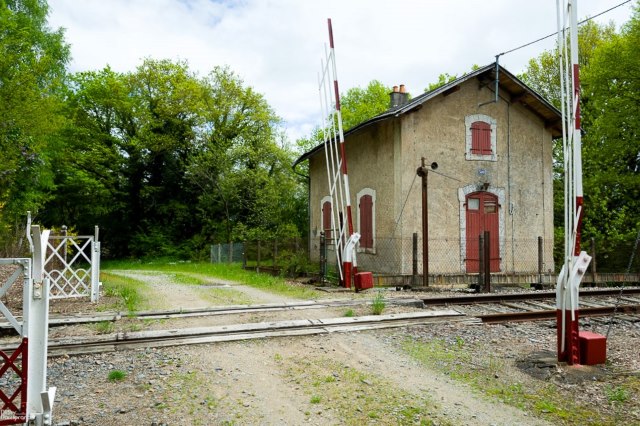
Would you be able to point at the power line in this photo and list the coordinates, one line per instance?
(553, 34)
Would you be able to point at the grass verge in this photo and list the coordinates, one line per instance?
(202, 272)
(126, 293)
(493, 377)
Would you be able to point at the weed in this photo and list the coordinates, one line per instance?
(116, 375)
(277, 357)
(104, 327)
(349, 313)
(618, 394)
(378, 304)
(315, 399)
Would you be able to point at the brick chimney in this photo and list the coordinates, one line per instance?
(399, 97)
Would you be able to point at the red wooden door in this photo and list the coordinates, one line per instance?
(482, 215)
(326, 219)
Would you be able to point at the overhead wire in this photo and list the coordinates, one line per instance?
(555, 33)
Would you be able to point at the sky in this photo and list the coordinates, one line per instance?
(275, 46)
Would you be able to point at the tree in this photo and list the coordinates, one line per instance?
(32, 71)
(609, 75)
(359, 105)
(611, 83)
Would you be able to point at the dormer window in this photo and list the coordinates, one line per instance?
(480, 137)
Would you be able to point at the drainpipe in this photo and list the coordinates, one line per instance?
(495, 100)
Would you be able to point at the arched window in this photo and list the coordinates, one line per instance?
(367, 219)
(326, 217)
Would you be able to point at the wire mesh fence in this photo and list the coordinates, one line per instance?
(449, 260)
(448, 256)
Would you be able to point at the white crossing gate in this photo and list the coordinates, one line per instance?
(24, 397)
(72, 264)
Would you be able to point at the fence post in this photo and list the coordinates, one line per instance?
(414, 270)
(275, 254)
(487, 262)
(323, 257)
(538, 286)
(211, 253)
(594, 271)
(244, 255)
(480, 262)
(258, 261)
(230, 260)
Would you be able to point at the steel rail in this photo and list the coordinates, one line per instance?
(536, 295)
(210, 311)
(551, 314)
(162, 338)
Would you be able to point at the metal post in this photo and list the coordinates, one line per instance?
(414, 271)
(230, 260)
(244, 255)
(36, 329)
(258, 262)
(538, 286)
(64, 244)
(219, 253)
(95, 271)
(211, 253)
(487, 262)
(323, 257)
(480, 263)
(594, 271)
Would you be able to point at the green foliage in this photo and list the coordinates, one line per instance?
(447, 78)
(129, 292)
(32, 71)
(378, 304)
(618, 394)
(610, 72)
(116, 376)
(358, 105)
(349, 313)
(294, 264)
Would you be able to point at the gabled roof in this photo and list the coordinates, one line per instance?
(517, 91)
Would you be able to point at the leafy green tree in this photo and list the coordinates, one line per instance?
(608, 70)
(32, 71)
(358, 105)
(611, 83)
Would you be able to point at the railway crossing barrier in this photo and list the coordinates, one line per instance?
(73, 266)
(24, 397)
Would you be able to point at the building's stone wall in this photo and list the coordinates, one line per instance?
(384, 156)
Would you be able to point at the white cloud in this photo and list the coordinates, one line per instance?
(275, 46)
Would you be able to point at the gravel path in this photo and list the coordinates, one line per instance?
(266, 382)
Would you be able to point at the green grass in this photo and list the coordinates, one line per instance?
(116, 376)
(129, 293)
(104, 327)
(349, 313)
(378, 304)
(487, 374)
(193, 272)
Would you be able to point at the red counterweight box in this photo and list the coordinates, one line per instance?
(363, 281)
(593, 348)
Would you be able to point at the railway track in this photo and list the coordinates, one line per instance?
(511, 307)
(511, 311)
(177, 337)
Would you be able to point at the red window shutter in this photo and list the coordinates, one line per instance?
(366, 221)
(481, 138)
(326, 219)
